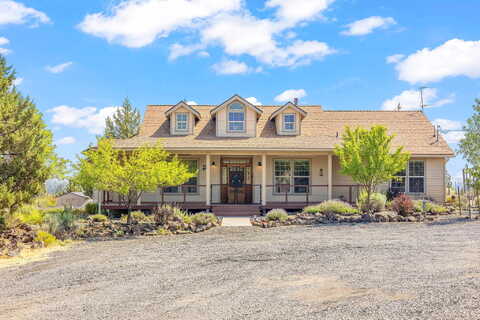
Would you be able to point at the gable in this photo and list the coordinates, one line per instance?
(238, 99)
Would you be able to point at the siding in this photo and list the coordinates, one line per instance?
(250, 124)
(191, 122)
(279, 123)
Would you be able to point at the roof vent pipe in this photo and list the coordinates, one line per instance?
(295, 101)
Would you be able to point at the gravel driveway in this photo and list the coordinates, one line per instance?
(374, 271)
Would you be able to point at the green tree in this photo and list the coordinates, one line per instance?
(27, 157)
(469, 146)
(124, 123)
(130, 173)
(367, 156)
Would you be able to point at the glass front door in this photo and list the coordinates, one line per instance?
(236, 181)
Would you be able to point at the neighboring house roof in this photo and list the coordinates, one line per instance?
(286, 106)
(79, 194)
(184, 105)
(236, 97)
(321, 131)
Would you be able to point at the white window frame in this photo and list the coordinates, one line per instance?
(291, 176)
(284, 125)
(243, 122)
(408, 175)
(177, 121)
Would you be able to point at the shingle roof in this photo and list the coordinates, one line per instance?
(319, 131)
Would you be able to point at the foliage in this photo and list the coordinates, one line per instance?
(98, 218)
(91, 208)
(47, 238)
(124, 123)
(402, 205)
(130, 173)
(469, 146)
(438, 209)
(331, 206)
(163, 232)
(137, 216)
(377, 202)
(62, 222)
(422, 205)
(277, 215)
(3, 223)
(163, 213)
(30, 214)
(203, 218)
(46, 201)
(27, 157)
(366, 156)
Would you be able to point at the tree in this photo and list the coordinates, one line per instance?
(366, 156)
(124, 124)
(469, 146)
(130, 173)
(27, 157)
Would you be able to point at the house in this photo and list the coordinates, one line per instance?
(252, 157)
(75, 200)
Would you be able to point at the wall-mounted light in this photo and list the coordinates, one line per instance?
(204, 167)
(259, 163)
(213, 163)
(321, 172)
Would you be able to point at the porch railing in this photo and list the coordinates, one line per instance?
(310, 194)
(236, 194)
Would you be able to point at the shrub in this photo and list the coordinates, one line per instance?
(332, 206)
(62, 222)
(91, 208)
(377, 202)
(419, 206)
(137, 216)
(30, 215)
(277, 215)
(98, 218)
(53, 210)
(163, 232)
(402, 205)
(47, 238)
(203, 218)
(3, 223)
(46, 202)
(438, 209)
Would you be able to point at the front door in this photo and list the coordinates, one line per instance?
(236, 181)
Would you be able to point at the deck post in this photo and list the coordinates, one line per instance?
(330, 177)
(208, 190)
(264, 180)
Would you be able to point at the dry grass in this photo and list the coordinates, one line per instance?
(31, 255)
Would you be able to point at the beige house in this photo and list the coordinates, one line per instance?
(251, 157)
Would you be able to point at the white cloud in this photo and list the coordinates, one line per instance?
(59, 68)
(368, 25)
(18, 82)
(65, 140)
(192, 103)
(137, 23)
(290, 95)
(454, 58)
(5, 51)
(203, 54)
(396, 58)
(89, 117)
(453, 137)
(231, 67)
(446, 124)
(410, 100)
(228, 23)
(12, 12)
(254, 101)
(4, 41)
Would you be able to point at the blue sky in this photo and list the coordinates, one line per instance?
(79, 59)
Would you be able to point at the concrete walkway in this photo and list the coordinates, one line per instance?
(236, 222)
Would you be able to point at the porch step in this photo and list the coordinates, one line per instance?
(236, 210)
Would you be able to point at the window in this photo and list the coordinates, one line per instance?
(288, 180)
(236, 118)
(411, 180)
(191, 186)
(181, 121)
(289, 122)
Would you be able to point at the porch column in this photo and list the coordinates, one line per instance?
(207, 180)
(330, 177)
(264, 179)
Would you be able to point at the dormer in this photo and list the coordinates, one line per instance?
(236, 117)
(288, 119)
(182, 119)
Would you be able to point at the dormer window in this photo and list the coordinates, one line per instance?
(236, 118)
(289, 122)
(181, 121)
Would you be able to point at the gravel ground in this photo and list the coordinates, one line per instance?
(374, 271)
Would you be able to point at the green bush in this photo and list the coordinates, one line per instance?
(91, 208)
(203, 218)
(98, 218)
(418, 206)
(62, 222)
(47, 238)
(30, 215)
(53, 210)
(162, 214)
(137, 216)
(403, 205)
(438, 209)
(332, 206)
(377, 202)
(277, 215)
(163, 232)
(46, 202)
